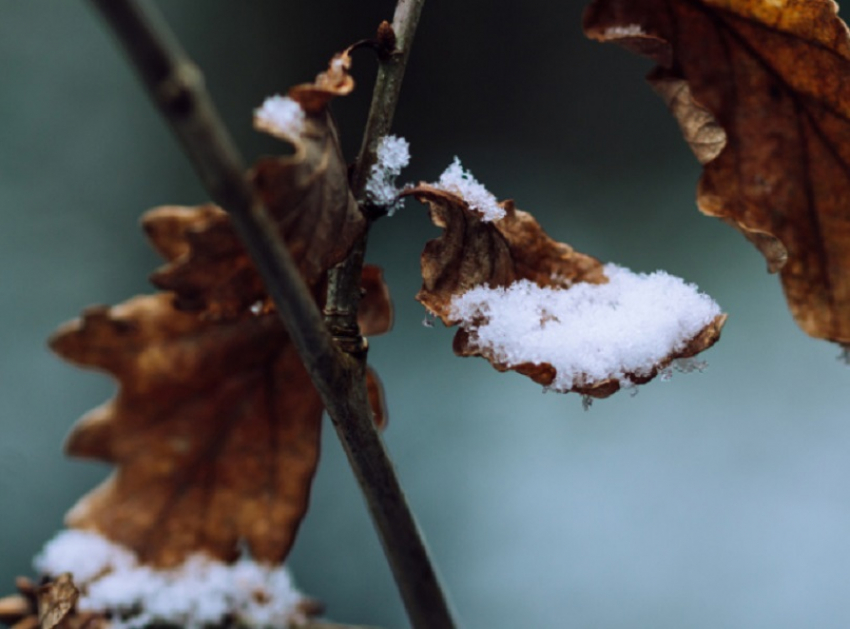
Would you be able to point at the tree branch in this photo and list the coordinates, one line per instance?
(177, 89)
(344, 279)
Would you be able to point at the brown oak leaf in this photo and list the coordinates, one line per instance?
(473, 252)
(306, 194)
(214, 431)
(759, 88)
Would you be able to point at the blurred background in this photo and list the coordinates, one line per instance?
(717, 499)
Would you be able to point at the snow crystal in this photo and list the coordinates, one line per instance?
(201, 591)
(588, 332)
(82, 553)
(461, 182)
(280, 116)
(393, 155)
(632, 30)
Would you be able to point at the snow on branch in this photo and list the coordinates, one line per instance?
(393, 154)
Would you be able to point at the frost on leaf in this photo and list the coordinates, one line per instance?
(536, 306)
(758, 88)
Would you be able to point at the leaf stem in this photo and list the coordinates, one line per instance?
(176, 86)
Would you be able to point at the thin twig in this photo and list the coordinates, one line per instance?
(176, 86)
(344, 279)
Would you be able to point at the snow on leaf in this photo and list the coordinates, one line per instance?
(280, 116)
(536, 306)
(456, 180)
(758, 88)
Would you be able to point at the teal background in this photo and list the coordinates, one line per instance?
(715, 500)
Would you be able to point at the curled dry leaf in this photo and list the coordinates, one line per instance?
(759, 89)
(306, 194)
(473, 253)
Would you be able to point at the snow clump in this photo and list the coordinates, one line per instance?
(588, 332)
(202, 591)
(393, 155)
(281, 116)
(461, 182)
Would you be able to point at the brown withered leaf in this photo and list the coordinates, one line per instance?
(375, 314)
(759, 89)
(208, 269)
(14, 608)
(56, 600)
(307, 196)
(308, 193)
(47, 606)
(215, 429)
(214, 432)
(472, 252)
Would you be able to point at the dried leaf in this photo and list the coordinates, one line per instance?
(472, 252)
(56, 600)
(208, 268)
(306, 194)
(335, 81)
(13, 608)
(50, 605)
(215, 429)
(757, 87)
(375, 314)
